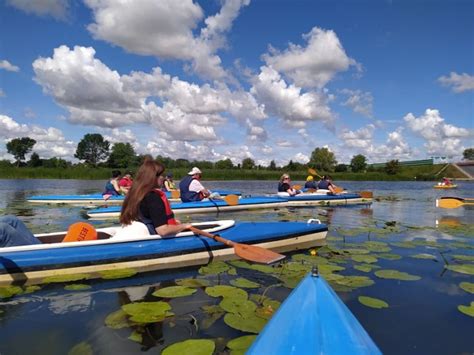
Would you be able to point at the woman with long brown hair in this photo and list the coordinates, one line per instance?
(146, 203)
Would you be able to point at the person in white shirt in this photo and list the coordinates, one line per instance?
(191, 187)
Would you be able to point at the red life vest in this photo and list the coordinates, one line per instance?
(169, 213)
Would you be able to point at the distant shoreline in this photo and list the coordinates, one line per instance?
(412, 173)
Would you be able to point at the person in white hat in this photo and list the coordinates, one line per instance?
(191, 187)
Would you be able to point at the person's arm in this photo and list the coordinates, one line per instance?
(196, 186)
(116, 185)
(167, 229)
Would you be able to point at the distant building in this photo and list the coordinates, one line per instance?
(440, 160)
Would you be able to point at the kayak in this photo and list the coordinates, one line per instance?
(323, 199)
(313, 320)
(112, 252)
(98, 199)
(217, 206)
(453, 186)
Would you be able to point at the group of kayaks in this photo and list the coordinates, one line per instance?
(111, 208)
(324, 324)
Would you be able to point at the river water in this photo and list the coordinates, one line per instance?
(422, 316)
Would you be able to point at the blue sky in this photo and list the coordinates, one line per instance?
(269, 80)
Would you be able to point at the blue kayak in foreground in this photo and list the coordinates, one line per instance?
(117, 250)
(313, 320)
(98, 199)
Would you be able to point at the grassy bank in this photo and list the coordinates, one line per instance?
(406, 173)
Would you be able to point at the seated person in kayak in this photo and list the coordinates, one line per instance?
(112, 187)
(13, 232)
(125, 183)
(284, 185)
(146, 203)
(191, 187)
(446, 182)
(326, 184)
(310, 183)
(169, 184)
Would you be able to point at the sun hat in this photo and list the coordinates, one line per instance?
(309, 178)
(169, 175)
(194, 171)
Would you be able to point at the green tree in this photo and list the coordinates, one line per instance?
(224, 164)
(272, 165)
(323, 159)
(340, 168)
(19, 147)
(92, 149)
(468, 154)
(358, 163)
(248, 163)
(35, 160)
(122, 156)
(56, 163)
(392, 167)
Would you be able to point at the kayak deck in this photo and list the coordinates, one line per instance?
(323, 325)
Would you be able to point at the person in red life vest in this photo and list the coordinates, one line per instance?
(125, 183)
(446, 182)
(146, 203)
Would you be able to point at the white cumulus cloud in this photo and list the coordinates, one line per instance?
(5, 64)
(458, 82)
(55, 8)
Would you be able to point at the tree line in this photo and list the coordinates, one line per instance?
(94, 151)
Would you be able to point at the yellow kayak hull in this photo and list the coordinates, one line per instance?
(445, 186)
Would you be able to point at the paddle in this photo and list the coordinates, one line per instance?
(175, 194)
(454, 202)
(296, 187)
(245, 251)
(80, 231)
(366, 194)
(231, 200)
(314, 172)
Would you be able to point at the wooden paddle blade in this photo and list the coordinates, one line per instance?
(247, 252)
(311, 191)
(312, 172)
(338, 189)
(366, 194)
(451, 202)
(175, 194)
(80, 231)
(232, 200)
(296, 187)
(257, 254)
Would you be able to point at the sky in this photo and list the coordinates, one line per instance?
(261, 79)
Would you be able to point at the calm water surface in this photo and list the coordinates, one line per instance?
(422, 317)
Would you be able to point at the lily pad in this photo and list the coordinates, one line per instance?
(226, 291)
(396, 275)
(462, 268)
(388, 256)
(366, 267)
(241, 343)
(262, 268)
(76, 287)
(117, 320)
(369, 259)
(193, 282)
(81, 349)
(214, 312)
(117, 274)
(147, 312)
(214, 268)
(463, 257)
(467, 286)
(191, 347)
(244, 308)
(136, 337)
(65, 278)
(469, 310)
(174, 291)
(252, 324)
(372, 302)
(424, 256)
(242, 282)
(9, 291)
(354, 281)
